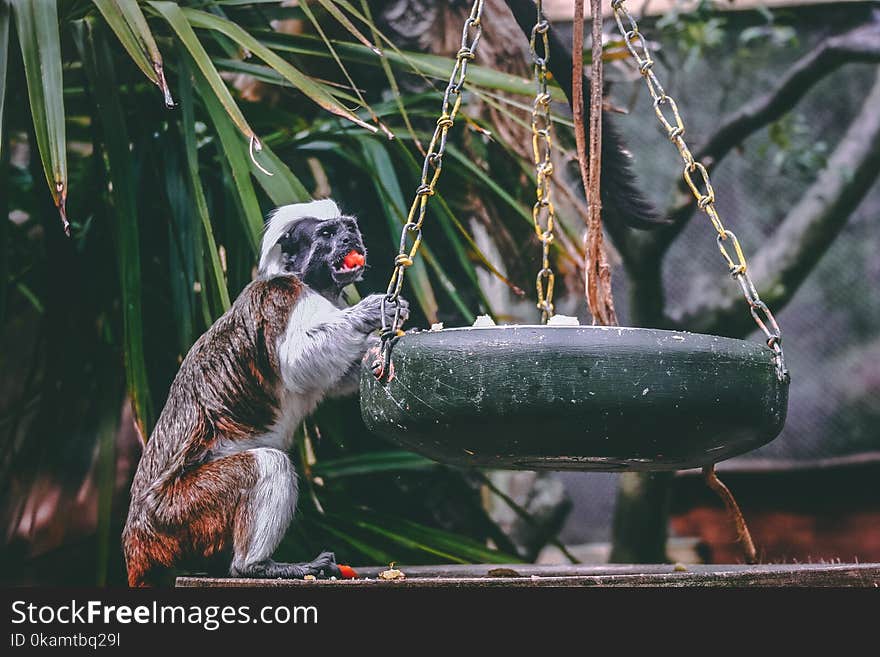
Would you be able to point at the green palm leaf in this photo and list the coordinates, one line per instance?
(36, 22)
(283, 187)
(334, 11)
(98, 64)
(416, 536)
(388, 187)
(172, 207)
(431, 66)
(311, 89)
(372, 553)
(392, 81)
(234, 157)
(172, 13)
(4, 60)
(129, 24)
(217, 287)
(357, 92)
(372, 463)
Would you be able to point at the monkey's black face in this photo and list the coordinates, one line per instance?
(326, 254)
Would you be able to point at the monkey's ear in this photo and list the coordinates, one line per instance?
(273, 262)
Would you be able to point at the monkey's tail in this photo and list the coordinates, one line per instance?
(622, 200)
(141, 550)
(143, 570)
(144, 579)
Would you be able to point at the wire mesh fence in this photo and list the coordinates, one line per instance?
(833, 323)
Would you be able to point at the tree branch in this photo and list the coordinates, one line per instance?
(808, 230)
(861, 44)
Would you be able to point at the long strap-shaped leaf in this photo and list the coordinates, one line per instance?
(172, 13)
(283, 188)
(334, 11)
(234, 159)
(4, 58)
(37, 24)
(394, 204)
(430, 66)
(216, 280)
(311, 89)
(313, 19)
(392, 81)
(4, 160)
(127, 20)
(98, 64)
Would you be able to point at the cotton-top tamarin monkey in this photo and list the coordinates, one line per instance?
(215, 478)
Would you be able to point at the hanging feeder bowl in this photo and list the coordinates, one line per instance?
(575, 397)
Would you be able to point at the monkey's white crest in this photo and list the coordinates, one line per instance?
(281, 220)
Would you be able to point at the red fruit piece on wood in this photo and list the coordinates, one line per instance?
(347, 572)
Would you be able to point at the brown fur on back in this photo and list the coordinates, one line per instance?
(227, 389)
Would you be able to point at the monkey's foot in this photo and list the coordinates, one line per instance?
(323, 566)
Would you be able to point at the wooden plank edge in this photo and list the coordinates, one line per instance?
(803, 575)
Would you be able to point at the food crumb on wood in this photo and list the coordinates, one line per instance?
(392, 573)
(563, 320)
(310, 578)
(680, 568)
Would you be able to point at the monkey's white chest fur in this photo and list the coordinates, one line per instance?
(304, 380)
(317, 348)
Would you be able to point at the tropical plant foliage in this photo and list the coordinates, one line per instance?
(132, 122)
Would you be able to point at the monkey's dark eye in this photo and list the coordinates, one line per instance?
(327, 232)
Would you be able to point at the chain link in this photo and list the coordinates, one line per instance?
(700, 185)
(411, 234)
(433, 164)
(543, 212)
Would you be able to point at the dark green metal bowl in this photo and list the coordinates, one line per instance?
(575, 397)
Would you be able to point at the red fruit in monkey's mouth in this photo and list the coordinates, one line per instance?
(353, 260)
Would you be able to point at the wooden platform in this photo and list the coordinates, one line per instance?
(529, 576)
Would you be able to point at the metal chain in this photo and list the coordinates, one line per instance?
(543, 213)
(702, 187)
(412, 229)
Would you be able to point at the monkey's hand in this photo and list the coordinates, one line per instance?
(323, 567)
(368, 312)
(323, 342)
